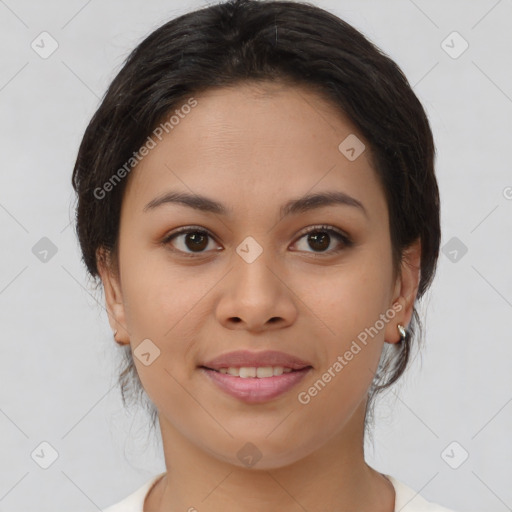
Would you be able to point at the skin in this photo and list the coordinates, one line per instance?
(253, 148)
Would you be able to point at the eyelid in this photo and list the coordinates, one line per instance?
(324, 227)
(186, 229)
(346, 240)
(183, 230)
(344, 237)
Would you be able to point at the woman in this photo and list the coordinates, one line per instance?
(257, 194)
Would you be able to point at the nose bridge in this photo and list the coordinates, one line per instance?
(254, 262)
(255, 294)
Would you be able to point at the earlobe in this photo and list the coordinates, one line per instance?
(405, 291)
(113, 297)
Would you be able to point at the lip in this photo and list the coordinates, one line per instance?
(241, 358)
(253, 390)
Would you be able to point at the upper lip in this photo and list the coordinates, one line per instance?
(247, 358)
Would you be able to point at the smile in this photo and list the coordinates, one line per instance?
(260, 372)
(254, 384)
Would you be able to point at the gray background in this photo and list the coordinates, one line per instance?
(58, 364)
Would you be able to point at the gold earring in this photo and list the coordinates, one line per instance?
(402, 331)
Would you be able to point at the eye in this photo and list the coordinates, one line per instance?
(320, 238)
(189, 237)
(195, 239)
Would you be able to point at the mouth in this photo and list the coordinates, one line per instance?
(254, 385)
(249, 362)
(255, 377)
(258, 372)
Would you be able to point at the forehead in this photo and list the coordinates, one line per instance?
(255, 141)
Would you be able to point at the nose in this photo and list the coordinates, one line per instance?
(256, 297)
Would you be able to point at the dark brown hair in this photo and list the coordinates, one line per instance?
(293, 43)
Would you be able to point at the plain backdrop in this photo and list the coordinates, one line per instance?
(58, 359)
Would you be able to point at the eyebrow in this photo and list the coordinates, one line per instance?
(292, 207)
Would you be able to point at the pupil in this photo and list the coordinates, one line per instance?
(195, 238)
(323, 237)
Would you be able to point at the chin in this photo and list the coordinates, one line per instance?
(259, 453)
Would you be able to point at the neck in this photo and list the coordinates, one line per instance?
(333, 477)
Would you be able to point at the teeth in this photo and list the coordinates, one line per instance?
(251, 371)
(265, 371)
(247, 372)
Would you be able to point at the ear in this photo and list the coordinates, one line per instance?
(113, 297)
(406, 289)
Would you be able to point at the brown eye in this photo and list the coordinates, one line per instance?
(189, 240)
(320, 238)
(196, 241)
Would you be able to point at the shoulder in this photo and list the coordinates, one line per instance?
(135, 501)
(408, 500)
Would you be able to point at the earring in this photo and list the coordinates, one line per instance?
(402, 331)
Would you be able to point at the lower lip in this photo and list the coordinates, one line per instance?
(253, 389)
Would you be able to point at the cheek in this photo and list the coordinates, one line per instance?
(158, 295)
(167, 305)
(349, 298)
(349, 305)
(162, 307)
(349, 302)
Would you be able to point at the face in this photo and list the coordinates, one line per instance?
(313, 281)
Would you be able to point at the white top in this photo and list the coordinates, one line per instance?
(406, 499)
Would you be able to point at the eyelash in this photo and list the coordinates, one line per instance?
(347, 242)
